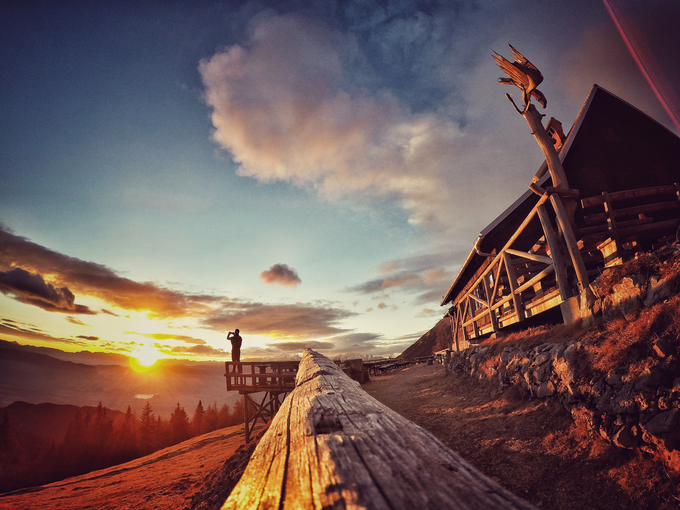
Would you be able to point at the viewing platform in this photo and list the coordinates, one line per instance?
(263, 384)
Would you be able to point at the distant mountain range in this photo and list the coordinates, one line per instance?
(39, 375)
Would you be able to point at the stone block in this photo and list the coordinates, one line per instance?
(657, 290)
(663, 423)
(625, 300)
(545, 390)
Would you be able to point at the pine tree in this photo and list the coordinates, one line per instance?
(223, 417)
(179, 425)
(147, 430)
(210, 418)
(8, 458)
(102, 438)
(237, 415)
(6, 436)
(197, 420)
(163, 439)
(126, 447)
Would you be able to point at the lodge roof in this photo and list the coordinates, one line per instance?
(612, 146)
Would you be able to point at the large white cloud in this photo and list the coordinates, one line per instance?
(289, 105)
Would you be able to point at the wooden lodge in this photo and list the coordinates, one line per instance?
(623, 197)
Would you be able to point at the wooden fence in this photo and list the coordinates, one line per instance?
(331, 445)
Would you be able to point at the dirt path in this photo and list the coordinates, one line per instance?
(525, 445)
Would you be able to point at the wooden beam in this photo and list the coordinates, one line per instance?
(496, 280)
(454, 331)
(631, 211)
(555, 253)
(512, 281)
(628, 194)
(492, 314)
(479, 300)
(474, 320)
(572, 245)
(546, 143)
(530, 256)
(641, 230)
(331, 445)
(611, 221)
(534, 280)
(502, 301)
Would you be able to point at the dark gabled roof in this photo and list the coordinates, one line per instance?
(612, 146)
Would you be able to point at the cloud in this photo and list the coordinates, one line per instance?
(389, 267)
(32, 289)
(429, 283)
(292, 104)
(427, 312)
(285, 321)
(195, 350)
(77, 322)
(28, 332)
(93, 338)
(301, 320)
(382, 305)
(97, 281)
(300, 346)
(282, 275)
(167, 336)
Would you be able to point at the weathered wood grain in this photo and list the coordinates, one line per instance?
(331, 446)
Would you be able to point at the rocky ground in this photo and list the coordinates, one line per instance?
(531, 446)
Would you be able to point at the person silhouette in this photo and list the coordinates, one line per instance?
(236, 341)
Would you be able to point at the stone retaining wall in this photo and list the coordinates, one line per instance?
(631, 407)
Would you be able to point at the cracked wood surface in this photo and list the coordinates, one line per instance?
(331, 445)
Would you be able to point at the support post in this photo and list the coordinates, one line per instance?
(572, 244)
(559, 178)
(246, 417)
(512, 280)
(492, 313)
(555, 253)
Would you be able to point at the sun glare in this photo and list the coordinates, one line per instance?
(144, 358)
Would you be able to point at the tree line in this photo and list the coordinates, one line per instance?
(93, 441)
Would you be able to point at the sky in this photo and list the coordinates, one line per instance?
(312, 173)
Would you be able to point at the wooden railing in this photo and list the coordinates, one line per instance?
(256, 376)
(331, 445)
(629, 218)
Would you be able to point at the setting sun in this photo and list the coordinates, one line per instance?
(144, 358)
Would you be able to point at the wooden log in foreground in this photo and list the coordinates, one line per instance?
(331, 445)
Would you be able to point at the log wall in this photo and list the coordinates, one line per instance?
(331, 445)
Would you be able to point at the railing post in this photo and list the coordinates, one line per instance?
(512, 280)
(489, 300)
